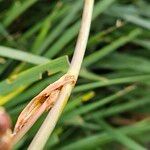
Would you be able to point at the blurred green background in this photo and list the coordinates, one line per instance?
(109, 107)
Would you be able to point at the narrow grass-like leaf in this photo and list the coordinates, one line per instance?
(121, 108)
(86, 74)
(22, 56)
(101, 6)
(87, 108)
(42, 34)
(91, 59)
(125, 61)
(143, 43)
(138, 20)
(99, 36)
(47, 23)
(32, 91)
(59, 29)
(36, 27)
(17, 9)
(130, 14)
(72, 31)
(96, 140)
(5, 99)
(120, 137)
(65, 38)
(94, 85)
(77, 101)
(34, 74)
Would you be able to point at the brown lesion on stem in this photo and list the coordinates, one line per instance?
(42, 102)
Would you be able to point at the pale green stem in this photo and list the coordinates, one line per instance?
(49, 124)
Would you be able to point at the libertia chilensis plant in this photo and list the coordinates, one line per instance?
(108, 108)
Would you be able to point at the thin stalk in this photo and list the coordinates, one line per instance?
(82, 38)
(50, 122)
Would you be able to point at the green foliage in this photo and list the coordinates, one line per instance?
(22, 56)
(34, 74)
(109, 107)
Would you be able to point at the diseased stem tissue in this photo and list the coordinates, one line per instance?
(44, 101)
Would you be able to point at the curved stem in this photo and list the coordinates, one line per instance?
(82, 38)
(53, 116)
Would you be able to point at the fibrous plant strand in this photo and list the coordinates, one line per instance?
(38, 105)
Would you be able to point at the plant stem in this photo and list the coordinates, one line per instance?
(82, 38)
(49, 124)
